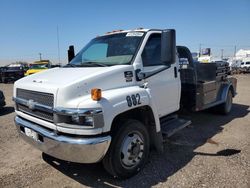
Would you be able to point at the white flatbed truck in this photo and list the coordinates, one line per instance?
(117, 98)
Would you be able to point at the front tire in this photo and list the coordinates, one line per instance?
(128, 151)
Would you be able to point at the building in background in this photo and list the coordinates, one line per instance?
(243, 55)
(205, 55)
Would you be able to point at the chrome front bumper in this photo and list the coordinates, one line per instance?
(75, 148)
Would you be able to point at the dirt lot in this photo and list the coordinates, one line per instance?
(213, 152)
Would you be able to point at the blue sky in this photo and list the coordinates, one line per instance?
(29, 27)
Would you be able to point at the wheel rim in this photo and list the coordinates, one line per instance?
(132, 150)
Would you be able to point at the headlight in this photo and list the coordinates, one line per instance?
(79, 118)
(82, 120)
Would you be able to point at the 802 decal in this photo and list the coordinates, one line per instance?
(133, 100)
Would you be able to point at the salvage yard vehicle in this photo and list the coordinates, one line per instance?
(38, 66)
(245, 66)
(122, 95)
(13, 72)
(2, 100)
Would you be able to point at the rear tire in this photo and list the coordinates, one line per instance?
(226, 107)
(128, 151)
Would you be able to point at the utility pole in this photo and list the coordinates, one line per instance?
(235, 51)
(222, 50)
(199, 49)
(58, 46)
(40, 56)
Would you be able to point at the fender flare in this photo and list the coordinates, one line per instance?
(225, 89)
(114, 103)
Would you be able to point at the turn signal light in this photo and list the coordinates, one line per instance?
(96, 94)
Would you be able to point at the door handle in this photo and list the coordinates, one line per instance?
(175, 72)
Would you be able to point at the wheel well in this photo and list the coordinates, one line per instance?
(143, 114)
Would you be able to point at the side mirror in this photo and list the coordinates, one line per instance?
(71, 53)
(168, 46)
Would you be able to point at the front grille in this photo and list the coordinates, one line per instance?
(37, 113)
(46, 99)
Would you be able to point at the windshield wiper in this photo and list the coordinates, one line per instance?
(70, 65)
(92, 64)
(87, 64)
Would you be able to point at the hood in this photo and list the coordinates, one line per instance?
(68, 84)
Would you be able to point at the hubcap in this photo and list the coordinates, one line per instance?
(132, 150)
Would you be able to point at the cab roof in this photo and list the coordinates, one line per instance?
(126, 31)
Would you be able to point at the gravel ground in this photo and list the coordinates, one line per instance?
(213, 152)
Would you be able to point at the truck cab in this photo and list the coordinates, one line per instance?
(120, 95)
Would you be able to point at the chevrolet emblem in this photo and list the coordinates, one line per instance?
(31, 104)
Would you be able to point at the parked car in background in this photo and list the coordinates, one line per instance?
(245, 67)
(38, 66)
(13, 72)
(2, 100)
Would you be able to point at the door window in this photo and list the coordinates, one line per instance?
(151, 54)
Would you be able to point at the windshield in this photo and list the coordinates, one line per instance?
(116, 49)
(38, 66)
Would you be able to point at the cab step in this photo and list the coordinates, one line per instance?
(172, 125)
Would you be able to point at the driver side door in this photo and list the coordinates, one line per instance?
(165, 85)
